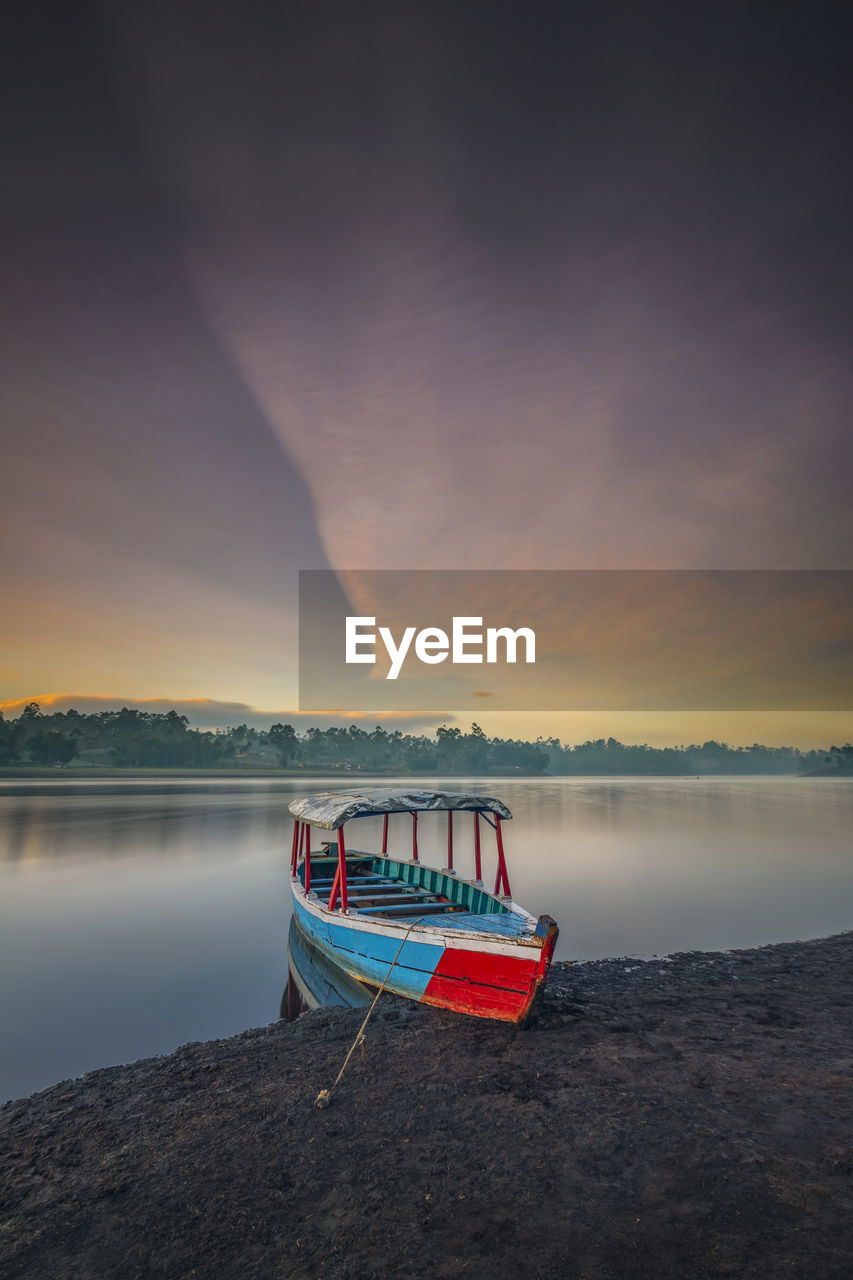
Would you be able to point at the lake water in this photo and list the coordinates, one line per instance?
(138, 915)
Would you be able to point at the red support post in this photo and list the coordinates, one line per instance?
(478, 863)
(307, 858)
(415, 836)
(449, 839)
(502, 871)
(342, 869)
(385, 834)
(333, 896)
(294, 848)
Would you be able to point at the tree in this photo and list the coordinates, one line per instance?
(52, 748)
(283, 738)
(9, 741)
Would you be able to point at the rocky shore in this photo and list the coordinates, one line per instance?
(686, 1117)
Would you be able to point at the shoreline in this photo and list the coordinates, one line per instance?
(26, 773)
(684, 1115)
(106, 773)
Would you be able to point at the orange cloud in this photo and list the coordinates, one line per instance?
(215, 713)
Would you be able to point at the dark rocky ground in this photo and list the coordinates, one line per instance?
(688, 1118)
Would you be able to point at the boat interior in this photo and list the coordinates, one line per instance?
(385, 887)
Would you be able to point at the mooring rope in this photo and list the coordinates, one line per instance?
(324, 1097)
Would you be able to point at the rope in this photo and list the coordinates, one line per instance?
(324, 1097)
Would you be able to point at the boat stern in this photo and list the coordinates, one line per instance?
(548, 930)
(508, 987)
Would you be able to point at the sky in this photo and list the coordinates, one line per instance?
(407, 285)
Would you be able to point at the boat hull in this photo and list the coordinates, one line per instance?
(476, 971)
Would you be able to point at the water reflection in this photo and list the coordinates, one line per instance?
(313, 982)
(77, 820)
(138, 915)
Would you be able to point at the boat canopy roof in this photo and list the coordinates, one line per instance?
(331, 809)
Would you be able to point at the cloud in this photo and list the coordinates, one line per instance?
(211, 713)
(467, 364)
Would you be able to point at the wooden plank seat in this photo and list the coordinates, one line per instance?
(329, 880)
(391, 899)
(391, 890)
(408, 909)
(389, 886)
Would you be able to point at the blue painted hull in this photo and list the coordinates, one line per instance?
(367, 956)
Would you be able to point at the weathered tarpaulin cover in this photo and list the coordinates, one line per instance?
(331, 809)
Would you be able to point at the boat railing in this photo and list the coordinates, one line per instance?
(339, 895)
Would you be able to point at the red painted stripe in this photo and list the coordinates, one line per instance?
(492, 970)
(491, 986)
(480, 983)
(472, 998)
(547, 954)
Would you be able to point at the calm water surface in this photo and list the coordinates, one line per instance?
(138, 915)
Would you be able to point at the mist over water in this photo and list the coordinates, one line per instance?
(140, 914)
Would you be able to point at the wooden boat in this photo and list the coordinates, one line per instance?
(427, 933)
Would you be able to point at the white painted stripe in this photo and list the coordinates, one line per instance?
(452, 939)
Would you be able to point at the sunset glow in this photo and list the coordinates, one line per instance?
(298, 300)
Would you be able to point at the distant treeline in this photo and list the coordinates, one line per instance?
(141, 739)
